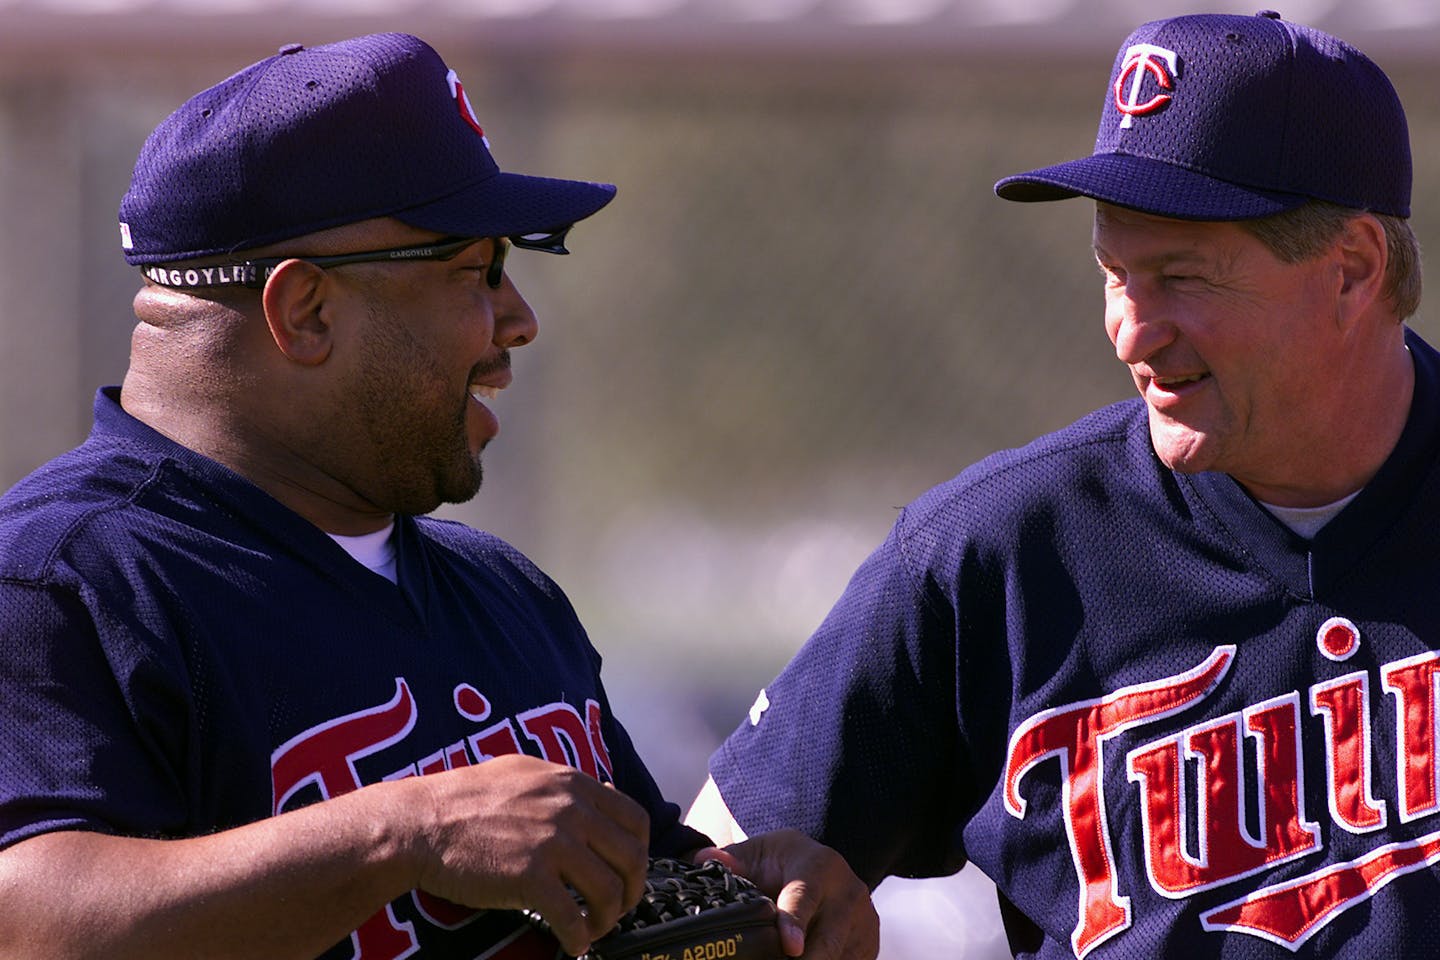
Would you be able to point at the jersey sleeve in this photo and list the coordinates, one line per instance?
(855, 743)
(73, 754)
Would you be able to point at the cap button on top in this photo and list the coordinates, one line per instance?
(1270, 14)
(292, 48)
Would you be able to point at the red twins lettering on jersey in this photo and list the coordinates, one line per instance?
(1343, 704)
(1142, 61)
(1226, 851)
(1213, 755)
(324, 757)
(1075, 735)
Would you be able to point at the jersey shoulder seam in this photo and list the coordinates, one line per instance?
(45, 569)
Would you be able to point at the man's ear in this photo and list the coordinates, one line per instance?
(1364, 255)
(293, 297)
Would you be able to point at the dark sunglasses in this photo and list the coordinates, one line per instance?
(254, 273)
(447, 248)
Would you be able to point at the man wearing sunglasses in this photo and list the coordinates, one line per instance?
(253, 703)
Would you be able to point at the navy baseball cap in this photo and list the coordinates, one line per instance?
(317, 137)
(1218, 117)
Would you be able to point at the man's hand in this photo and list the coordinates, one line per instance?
(825, 911)
(516, 831)
(512, 832)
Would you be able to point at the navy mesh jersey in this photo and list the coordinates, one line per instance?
(182, 654)
(1163, 723)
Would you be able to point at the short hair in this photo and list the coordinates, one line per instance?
(1302, 233)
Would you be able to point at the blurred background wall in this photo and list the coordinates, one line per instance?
(805, 307)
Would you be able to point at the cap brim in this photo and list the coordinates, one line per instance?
(510, 204)
(1150, 186)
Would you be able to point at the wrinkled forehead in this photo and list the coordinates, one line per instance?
(1150, 240)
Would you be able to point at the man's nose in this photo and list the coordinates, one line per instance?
(1137, 324)
(515, 323)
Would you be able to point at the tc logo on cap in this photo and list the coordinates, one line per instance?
(1140, 59)
(467, 112)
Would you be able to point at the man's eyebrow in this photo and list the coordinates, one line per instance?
(1156, 261)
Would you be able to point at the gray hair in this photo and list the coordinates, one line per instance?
(1302, 233)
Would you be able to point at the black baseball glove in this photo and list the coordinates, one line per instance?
(693, 912)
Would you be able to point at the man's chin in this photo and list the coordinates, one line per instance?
(464, 490)
(454, 490)
(1181, 449)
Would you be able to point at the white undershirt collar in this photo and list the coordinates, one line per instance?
(375, 550)
(1307, 521)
